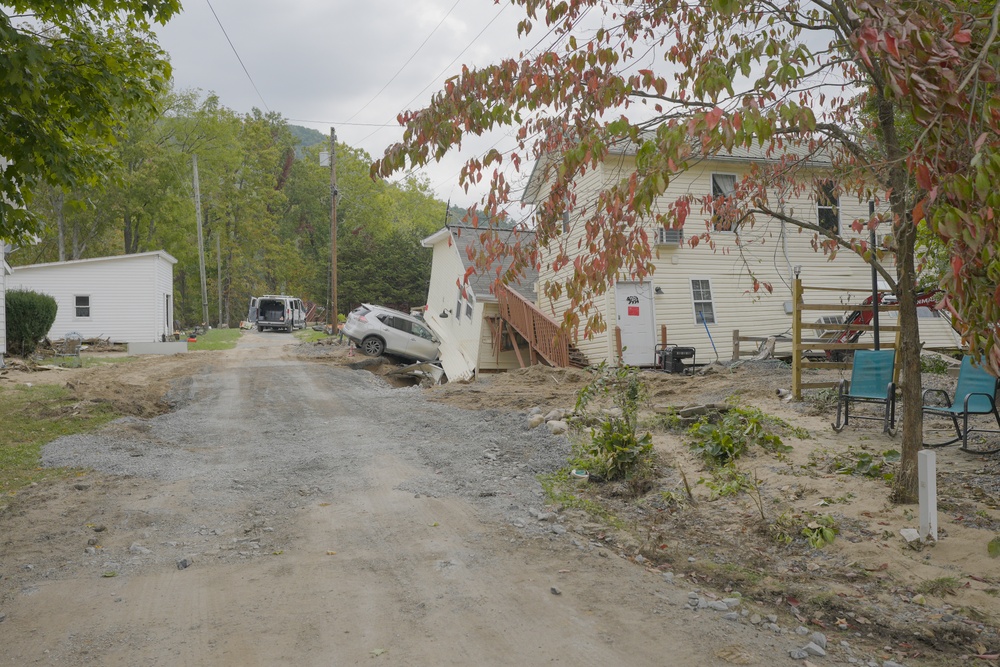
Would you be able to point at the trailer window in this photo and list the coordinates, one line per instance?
(82, 306)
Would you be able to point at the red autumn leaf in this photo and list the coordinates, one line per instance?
(713, 117)
(924, 176)
(890, 46)
(918, 212)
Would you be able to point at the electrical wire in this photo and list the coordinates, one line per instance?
(408, 61)
(245, 70)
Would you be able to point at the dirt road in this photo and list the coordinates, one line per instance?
(296, 513)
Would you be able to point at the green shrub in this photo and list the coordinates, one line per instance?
(29, 317)
(738, 430)
(614, 443)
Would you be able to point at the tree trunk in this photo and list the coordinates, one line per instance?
(77, 248)
(131, 234)
(61, 222)
(906, 483)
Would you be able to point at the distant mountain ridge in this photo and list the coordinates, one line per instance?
(307, 137)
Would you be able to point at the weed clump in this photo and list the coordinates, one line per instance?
(723, 442)
(615, 451)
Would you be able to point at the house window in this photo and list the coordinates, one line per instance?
(458, 305)
(701, 293)
(83, 306)
(828, 207)
(470, 304)
(724, 213)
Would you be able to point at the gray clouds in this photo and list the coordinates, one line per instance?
(320, 63)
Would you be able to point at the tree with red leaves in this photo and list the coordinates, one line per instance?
(901, 96)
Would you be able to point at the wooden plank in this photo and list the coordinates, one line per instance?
(818, 385)
(829, 365)
(845, 308)
(517, 348)
(819, 326)
(819, 288)
(843, 346)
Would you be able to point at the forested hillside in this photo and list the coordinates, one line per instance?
(265, 204)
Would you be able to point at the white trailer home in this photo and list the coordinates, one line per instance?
(702, 294)
(127, 298)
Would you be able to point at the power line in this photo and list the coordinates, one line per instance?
(408, 61)
(245, 71)
(330, 122)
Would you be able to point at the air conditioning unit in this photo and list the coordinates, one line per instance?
(828, 319)
(671, 237)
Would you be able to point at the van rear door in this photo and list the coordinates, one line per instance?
(252, 315)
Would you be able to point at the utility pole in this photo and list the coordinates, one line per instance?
(201, 244)
(218, 262)
(333, 231)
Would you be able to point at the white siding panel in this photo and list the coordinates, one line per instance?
(597, 346)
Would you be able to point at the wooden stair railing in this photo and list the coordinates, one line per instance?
(540, 331)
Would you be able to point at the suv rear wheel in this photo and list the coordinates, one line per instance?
(373, 346)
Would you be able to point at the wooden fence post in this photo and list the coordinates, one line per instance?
(797, 339)
(618, 345)
(736, 344)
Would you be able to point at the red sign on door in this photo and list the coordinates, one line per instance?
(633, 311)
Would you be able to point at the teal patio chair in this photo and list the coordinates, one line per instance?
(975, 394)
(871, 382)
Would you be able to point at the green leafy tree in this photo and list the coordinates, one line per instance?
(70, 73)
(679, 79)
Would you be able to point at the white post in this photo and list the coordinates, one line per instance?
(927, 473)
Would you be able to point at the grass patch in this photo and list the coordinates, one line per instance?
(32, 416)
(560, 489)
(91, 362)
(216, 339)
(940, 587)
(310, 336)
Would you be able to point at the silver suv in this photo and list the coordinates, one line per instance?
(377, 330)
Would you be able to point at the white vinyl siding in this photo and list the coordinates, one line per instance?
(599, 346)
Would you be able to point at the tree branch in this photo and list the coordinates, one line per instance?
(839, 240)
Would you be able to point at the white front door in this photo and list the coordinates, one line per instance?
(634, 305)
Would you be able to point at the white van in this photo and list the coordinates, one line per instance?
(277, 311)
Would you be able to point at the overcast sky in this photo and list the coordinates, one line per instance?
(342, 63)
